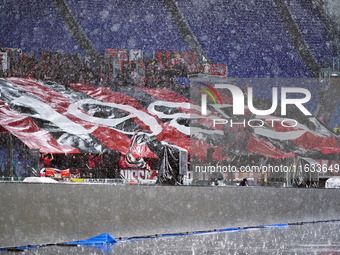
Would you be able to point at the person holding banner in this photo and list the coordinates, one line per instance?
(47, 159)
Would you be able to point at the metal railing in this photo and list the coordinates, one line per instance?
(328, 72)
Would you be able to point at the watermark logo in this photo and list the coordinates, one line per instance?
(204, 98)
(239, 99)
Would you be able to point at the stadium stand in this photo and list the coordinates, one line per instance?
(128, 24)
(33, 25)
(309, 20)
(248, 36)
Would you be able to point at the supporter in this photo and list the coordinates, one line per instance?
(60, 161)
(136, 78)
(244, 182)
(122, 162)
(336, 129)
(47, 159)
(121, 79)
(74, 165)
(80, 161)
(94, 162)
(110, 165)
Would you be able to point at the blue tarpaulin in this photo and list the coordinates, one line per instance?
(101, 239)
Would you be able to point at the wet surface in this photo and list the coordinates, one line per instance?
(309, 238)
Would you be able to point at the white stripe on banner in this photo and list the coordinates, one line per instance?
(147, 119)
(48, 113)
(185, 130)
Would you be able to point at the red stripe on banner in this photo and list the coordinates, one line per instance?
(168, 134)
(159, 59)
(106, 95)
(170, 96)
(310, 141)
(165, 95)
(262, 147)
(197, 147)
(167, 56)
(186, 57)
(142, 150)
(25, 129)
(329, 150)
(60, 104)
(194, 56)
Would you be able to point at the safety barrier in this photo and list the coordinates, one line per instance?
(35, 214)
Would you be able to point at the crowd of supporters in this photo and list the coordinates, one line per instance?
(85, 165)
(66, 68)
(57, 66)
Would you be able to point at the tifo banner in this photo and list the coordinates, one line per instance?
(138, 175)
(190, 62)
(56, 173)
(85, 119)
(119, 54)
(171, 59)
(143, 176)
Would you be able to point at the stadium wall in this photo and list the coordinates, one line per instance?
(34, 214)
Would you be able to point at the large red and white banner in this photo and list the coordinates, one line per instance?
(80, 118)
